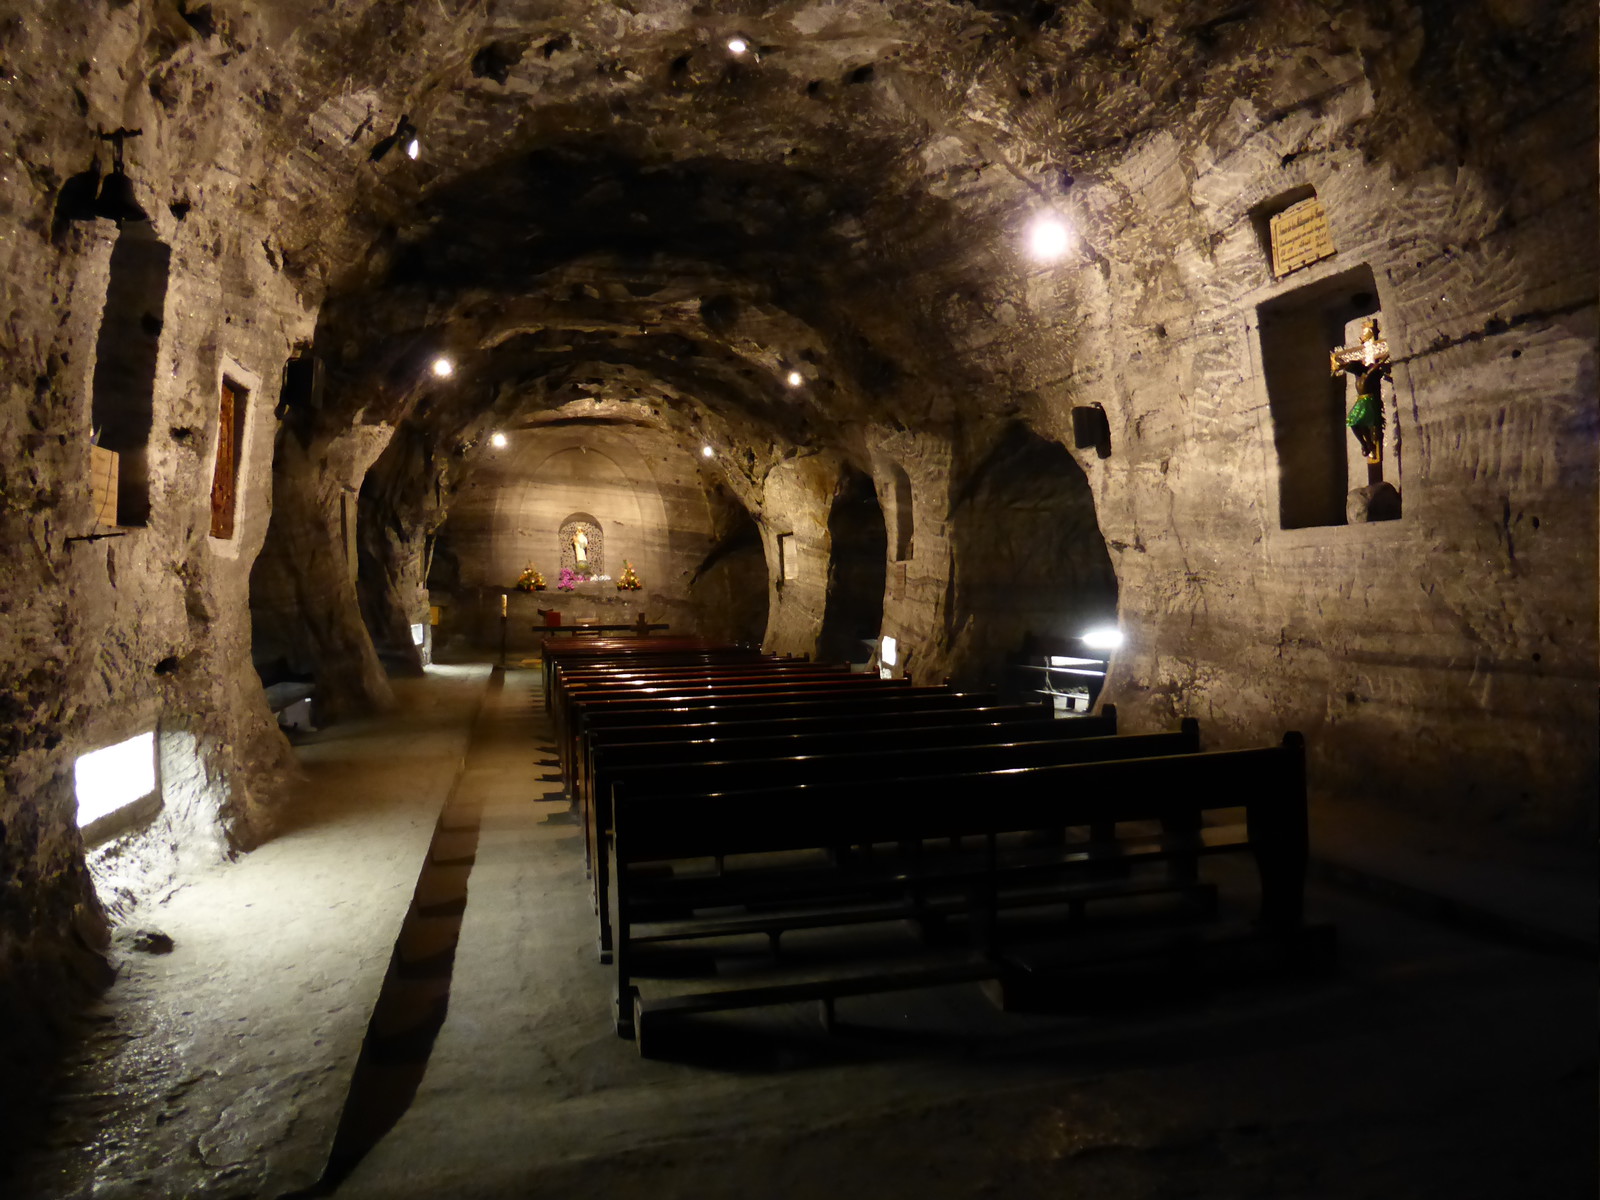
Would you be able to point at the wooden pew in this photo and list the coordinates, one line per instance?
(831, 762)
(556, 664)
(635, 650)
(569, 684)
(898, 708)
(573, 718)
(1269, 784)
(572, 701)
(668, 745)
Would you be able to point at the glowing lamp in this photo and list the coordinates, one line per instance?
(443, 367)
(737, 45)
(1049, 237)
(1102, 637)
(497, 440)
(113, 777)
(706, 451)
(794, 379)
(413, 148)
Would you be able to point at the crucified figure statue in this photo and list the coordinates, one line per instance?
(1368, 361)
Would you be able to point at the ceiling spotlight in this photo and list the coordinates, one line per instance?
(1103, 637)
(706, 451)
(794, 379)
(737, 45)
(443, 367)
(405, 134)
(1049, 237)
(497, 440)
(413, 148)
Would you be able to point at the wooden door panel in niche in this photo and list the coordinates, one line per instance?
(230, 443)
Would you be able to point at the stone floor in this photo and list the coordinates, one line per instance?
(1451, 1054)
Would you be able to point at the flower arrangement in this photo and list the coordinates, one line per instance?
(569, 579)
(628, 581)
(530, 580)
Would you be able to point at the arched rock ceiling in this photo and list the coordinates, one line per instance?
(848, 195)
(605, 192)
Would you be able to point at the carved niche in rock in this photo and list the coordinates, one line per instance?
(582, 545)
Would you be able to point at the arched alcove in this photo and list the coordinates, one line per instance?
(125, 362)
(729, 588)
(904, 522)
(857, 569)
(581, 545)
(1030, 563)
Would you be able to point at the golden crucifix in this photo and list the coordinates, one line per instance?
(1368, 361)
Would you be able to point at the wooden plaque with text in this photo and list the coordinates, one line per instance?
(1300, 237)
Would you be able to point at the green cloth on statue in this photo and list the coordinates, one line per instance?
(1364, 411)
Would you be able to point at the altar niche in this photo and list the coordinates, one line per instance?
(904, 529)
(1334, 421)
(125, 363)
(583, 546)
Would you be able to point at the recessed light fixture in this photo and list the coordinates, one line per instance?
(443, 367)
(794, 379)
(113, 777)
(1103, 637)
(497, 440)
(1049, 237)
(706, 451)
(413, 148)
(737, 45)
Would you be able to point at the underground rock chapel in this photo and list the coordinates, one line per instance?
(798, 598)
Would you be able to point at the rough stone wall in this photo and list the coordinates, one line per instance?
(728, 589)
(795, 498)
(1030, 568)
(106, 638)
(1437, 659)
(918, 593)
(303, 603)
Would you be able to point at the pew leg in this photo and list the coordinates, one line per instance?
(602, 898)
(1278, 839)
(626, 1002)
(1183, 833)
(1283, 882)
(1105, 863)
(983, 902)
(624, 995)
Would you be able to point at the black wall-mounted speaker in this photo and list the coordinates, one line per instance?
(1091, 429)
(302, 384)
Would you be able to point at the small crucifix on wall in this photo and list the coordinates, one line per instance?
(1368, 361)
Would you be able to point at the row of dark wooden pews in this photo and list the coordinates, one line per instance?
(726, 793)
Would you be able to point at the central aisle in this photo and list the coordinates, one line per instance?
(527, 1073)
